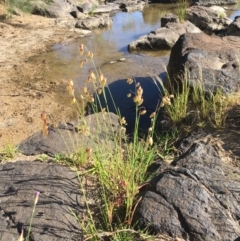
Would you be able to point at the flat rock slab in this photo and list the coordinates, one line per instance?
(96, 131)
(195, 198)
(60, 197)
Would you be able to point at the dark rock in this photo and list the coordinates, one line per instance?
(194, 198)
(94, 22)
(169, 18)
(60, 197)
(213, 2)
(200, 58)
(96, 131)
(234, 27)
(163, 38)
(211, 19)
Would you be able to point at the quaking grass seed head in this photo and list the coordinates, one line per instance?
(143, 112)
(152, 115)
(130, 80)
(149, 141)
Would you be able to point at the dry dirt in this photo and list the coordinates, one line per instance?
(24, 94)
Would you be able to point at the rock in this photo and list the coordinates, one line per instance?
(234, 27)
(97, 131)
(56, 9)
(163, 38)
(192, 197)
(208, 19)
(78, 15)
(106, 8)
(60, 197)
(200, 58)
(87, 7)
(169, 18)
(94, 22)
(213, 2)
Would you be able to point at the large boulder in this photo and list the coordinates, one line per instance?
(96, 131)
(94, 22)
(234, 27)
(213, 61)
(164, 37)
(60, 199)
(211, 19)
(196, 197)
(56, 9)
(213, 2)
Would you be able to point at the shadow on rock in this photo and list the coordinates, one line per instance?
(60, 198)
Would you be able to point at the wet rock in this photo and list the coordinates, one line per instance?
(130, 6)
(93, 22)
(194, 198)
(163, 38)
(202, 59)
(60, 197)
(234, 27)
(96, 131)
(213, 2)
(169, 18)
(211, 19)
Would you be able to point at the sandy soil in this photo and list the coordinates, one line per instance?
(24, 94)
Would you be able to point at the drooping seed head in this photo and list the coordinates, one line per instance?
(130, 80)
(85, 90)
(143, 112)
(149, 141)
(99, 91)
(152, 115)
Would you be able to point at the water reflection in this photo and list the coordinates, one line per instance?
(153, 13)
(111, 44)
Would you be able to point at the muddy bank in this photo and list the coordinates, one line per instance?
(25, 91)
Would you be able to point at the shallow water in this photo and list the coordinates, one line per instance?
(111, 45)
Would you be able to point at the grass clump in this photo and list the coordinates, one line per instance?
(198, 106)
(181, 9)
(26, 6)
(119, 170)
(8, 152)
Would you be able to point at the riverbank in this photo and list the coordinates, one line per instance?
(25, 92)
